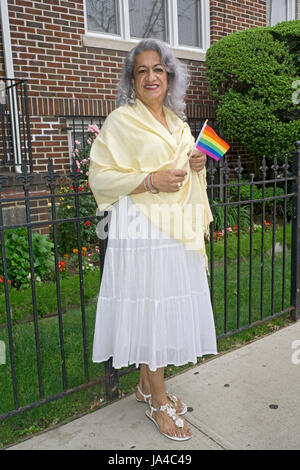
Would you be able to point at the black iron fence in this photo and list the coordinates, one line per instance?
(254, 276)
(15, 143)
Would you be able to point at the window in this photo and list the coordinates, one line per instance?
(103, 16)
(189, 19)
(180, 23)
(281, 10)
(148, 19)
(77, 129)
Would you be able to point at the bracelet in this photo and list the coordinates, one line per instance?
(152, 188)
(148, 184)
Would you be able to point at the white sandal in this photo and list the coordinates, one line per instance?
(146, 398)
(173, 398)
(172, 414)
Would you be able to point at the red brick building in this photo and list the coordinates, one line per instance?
(71, 54)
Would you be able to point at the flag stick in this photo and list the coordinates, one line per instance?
(200, 134)
(203, 127)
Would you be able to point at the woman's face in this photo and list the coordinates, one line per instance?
(150, 81)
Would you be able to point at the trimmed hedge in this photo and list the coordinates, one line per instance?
(251, 75)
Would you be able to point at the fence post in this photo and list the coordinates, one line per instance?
(295, 254)
(111, 381)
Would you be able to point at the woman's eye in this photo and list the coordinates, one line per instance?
(159, 70)
(141, 71)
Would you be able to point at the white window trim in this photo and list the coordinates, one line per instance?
(291, 10)
(125, 43)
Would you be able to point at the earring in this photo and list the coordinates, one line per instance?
(132, 97)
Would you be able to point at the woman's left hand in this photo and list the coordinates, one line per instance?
(197, 160)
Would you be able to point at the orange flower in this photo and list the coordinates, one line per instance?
(84, 248)
(75, 250)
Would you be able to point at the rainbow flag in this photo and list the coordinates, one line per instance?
(210, 143)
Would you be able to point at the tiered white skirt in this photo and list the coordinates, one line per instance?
(154, 303)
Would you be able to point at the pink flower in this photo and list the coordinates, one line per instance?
(77, 142)
(77, 163)
(94, 129)
(229, 229)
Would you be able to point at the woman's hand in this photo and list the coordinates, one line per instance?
(197, 160)
(168, 181)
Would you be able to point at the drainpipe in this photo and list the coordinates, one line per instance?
(12, 95)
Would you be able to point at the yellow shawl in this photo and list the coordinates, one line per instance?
(131, 144)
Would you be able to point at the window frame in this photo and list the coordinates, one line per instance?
(124, 42)
(291, 11)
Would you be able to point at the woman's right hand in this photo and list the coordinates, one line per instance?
(167, 180)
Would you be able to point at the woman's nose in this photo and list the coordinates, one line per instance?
(151, 75)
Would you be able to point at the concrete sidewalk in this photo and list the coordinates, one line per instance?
(245, 399)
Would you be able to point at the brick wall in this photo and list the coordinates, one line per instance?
(229, 16)
(48, 51)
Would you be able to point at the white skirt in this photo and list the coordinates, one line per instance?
(154, 304)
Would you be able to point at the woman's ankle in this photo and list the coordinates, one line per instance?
(144, 387)
(159, 401)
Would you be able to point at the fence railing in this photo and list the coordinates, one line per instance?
(250, 282)
(15, 143)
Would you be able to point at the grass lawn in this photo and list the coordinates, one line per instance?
(20, 301)
(28, 422)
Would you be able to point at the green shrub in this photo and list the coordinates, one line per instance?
(18, 259)
(257, 194)
(232, 216)
(289, 32)
(251, 75)
(67, 232)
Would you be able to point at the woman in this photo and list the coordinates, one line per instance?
(154, 304)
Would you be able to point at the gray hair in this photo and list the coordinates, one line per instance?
(176, 71)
